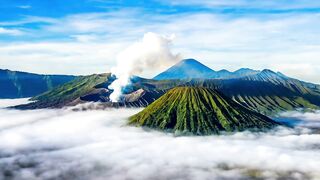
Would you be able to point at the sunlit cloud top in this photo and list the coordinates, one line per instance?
(85, 36)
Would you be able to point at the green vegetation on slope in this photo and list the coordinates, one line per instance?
(267, 92)
(270, 93)
(199, 111)
(68, 92)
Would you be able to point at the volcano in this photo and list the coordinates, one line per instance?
(186, 69)
(199, 111)
(193, 69)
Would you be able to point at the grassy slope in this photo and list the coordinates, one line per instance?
(68, 92)
(269, 94)
(199, 111)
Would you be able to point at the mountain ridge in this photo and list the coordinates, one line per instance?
(18, 84)
(193, 69)
(266, 92)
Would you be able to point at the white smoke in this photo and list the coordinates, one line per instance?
(64, 144)
(151, 53)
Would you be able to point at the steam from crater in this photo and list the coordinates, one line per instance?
(151, 53)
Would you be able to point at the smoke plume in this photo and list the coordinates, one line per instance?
(151, 53)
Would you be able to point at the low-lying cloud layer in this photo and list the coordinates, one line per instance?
(302, 119)
(64, 144)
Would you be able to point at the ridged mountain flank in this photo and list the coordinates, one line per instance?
(199, 111)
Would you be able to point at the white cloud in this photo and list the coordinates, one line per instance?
(220, 41)
(59, 57)
(85, 37)
(28, 20)
(11, 32)
(65, 144)
(110, 22)
(283, 4)
(13, 102)
(310, 119)
(25, 6)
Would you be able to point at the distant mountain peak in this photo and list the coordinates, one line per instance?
(186, 69)
(245, 70)
(193, 62)
(224, 71)
(192, 69)
(268, 71)
(189, 60)
(267, 75)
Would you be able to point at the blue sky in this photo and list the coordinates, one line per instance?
(85, 36)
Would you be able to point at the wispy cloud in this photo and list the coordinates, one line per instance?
(114, 22)
(85, 37)
(29, 20)
(11, 32)
(59, 57)
(275, 4)
(25, 7)
(218, 40)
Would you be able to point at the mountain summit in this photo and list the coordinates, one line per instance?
(186, 69)
(199, 111)
(193, 69)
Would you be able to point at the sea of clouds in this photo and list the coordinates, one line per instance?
(67, 144)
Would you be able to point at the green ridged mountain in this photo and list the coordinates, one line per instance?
(69, 92)
(199, 111)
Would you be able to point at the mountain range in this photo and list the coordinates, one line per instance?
(265, 91)
(193, 69)
(15, 84)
